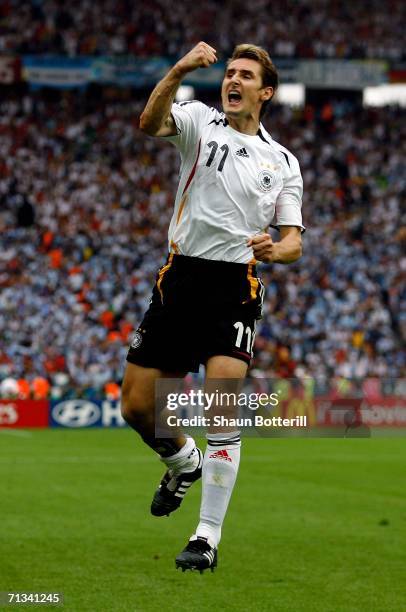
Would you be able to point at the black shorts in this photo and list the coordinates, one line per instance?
(199, 308)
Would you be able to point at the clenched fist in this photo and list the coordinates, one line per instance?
(263, 247)
(287, 250)
(201, 56)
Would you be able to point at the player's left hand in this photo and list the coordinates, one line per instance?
(263, 247)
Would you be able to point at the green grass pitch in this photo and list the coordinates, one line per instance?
(313, 525)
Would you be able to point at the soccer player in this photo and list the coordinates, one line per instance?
(235, 181)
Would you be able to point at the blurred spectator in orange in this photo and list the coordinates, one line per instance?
(24, 390)
(112, 390)
(40, 388)
(55, 257)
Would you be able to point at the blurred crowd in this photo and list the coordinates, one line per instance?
(287, 28)
(85, 202)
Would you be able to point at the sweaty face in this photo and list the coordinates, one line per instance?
(242, 90)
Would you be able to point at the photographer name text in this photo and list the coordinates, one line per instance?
(223, 421)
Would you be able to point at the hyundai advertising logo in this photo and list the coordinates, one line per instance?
(76, 413)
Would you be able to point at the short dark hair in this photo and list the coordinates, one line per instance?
(270, 76)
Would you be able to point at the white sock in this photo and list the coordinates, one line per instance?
(185, 460)
(220, 467)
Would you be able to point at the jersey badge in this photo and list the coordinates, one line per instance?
(266, 180)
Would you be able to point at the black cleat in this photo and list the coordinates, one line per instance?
(170, 493)
(198, 555)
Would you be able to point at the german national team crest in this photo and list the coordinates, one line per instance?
(136, 340)
(266, 180)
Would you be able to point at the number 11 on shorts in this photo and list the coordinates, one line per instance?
(241, 330)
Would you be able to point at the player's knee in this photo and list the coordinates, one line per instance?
(134, 405)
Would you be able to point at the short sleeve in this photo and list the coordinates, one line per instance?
(288, 208)
(189, 118)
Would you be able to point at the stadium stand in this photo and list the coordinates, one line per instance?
(288, 28)
(85, 201)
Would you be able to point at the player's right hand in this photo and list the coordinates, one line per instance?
(201, 56)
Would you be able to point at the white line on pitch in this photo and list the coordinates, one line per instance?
(60, 460)
(16, 432)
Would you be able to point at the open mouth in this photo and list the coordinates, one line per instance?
(234, 98)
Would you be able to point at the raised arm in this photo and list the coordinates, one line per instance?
(156, 118)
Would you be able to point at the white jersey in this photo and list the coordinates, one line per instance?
(232, 186)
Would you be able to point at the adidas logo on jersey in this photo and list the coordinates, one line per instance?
(242, 152)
